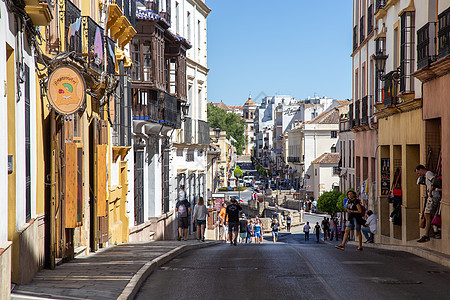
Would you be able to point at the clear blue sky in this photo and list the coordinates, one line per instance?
(293, 47)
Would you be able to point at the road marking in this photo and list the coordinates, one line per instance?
(328, 288)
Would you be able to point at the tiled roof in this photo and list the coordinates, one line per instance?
(329, 117)
(327, 159)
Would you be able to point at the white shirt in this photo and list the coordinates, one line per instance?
(428, 180)
(372, 221)
(181, 195)
(200, 212)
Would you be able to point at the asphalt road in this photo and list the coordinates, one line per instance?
(295, 269)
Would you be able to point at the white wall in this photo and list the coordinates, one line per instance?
(325, 179)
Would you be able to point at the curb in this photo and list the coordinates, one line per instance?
(131, 289)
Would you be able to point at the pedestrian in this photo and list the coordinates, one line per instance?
(333, 229)
(306, 230)
(370, 228)
(288, 222)
(250, 232)
(325, 228)
(257, 231)
(434, 186)
(275, 226)
(222, 222)
(243, 224)
(182, 208)
(317, 231)
(199, 218)
(232, 214)
(355, 219)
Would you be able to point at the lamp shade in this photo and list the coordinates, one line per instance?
(217, 132)
(380, 61)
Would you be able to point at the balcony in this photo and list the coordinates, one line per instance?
(187, 131)
(39, 12)
(361, 30)
(145, 105)
(370, 19)
(293, 159)
(93, 44)
(72, 20)
(444, 34)
(389, 90)
(203, 132)
(110, 56)
(350, 115)
(364, 110)
(357, 112)
(170, 111)
(355, 37)
(426, 45)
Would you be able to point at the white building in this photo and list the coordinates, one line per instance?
(326, 173)
(249, 113)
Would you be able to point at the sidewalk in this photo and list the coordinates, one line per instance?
(425, 253)
(117, 272)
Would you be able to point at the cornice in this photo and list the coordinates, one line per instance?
(193, 63)
(202, 7)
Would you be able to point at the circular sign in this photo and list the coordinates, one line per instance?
(66, 90)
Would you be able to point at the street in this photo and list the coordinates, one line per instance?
(296, 269)
(245, 195)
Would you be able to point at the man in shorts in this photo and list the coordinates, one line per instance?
(232, 213)
(243, 229)
(275, 228)
(183, 208)
(433, 199)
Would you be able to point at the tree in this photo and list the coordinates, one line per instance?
(238, 172)
(231, 123)
(331, 202)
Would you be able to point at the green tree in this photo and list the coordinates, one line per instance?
(238, 172)
(330, 202)
(231, 123)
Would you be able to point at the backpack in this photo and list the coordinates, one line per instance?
(363, 209)
(182, 211)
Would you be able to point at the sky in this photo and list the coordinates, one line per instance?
(279, 47)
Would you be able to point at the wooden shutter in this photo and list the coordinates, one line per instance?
(70, 186)
(101, 180)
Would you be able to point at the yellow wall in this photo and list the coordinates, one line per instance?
(401, 129)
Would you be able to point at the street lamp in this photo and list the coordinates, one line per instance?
(185, 110)
(216, 135)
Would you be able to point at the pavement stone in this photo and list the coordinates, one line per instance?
(112, 273)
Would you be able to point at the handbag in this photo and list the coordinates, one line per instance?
(437, 218)
(395, 191)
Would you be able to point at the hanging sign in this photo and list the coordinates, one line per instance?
(66, 90)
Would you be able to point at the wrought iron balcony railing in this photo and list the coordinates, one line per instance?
(369, 19)
(426, 45)
(203, 132)
(72, 22)
(355, 37)
(444, 34)
(170, 111)
(364, 110)
(145, 105)
(95, 44)
(361, 30)
(187, 130)
(350, 115)
(390, 89)
(357, 112)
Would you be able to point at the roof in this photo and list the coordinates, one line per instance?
(236, 107)
(221, 105)
(329, 117)
(327, 159)
(343, 102)
(250, 102)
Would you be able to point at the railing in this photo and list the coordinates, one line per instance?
(145, 105)
(380, 4)
(95, 46)
(389, 90)
(188, 131)
(361, 29)
(110, 55)
(350, 115)
(357, 112)
(370, 106)
(364, 110)
(72, 15)
(170, 111)
(293, 159)
(203, 132)
(426, 45)
(444, 34)
(355, 37)
(369, 19)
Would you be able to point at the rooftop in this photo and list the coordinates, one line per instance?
(329, 117)
(327, 159)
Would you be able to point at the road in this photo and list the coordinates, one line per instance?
(295, 269)
(245, 195)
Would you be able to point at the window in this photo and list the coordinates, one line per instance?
(188, 26)
(147, 55)
(395, 48)
(407, 52)
(252, 128)
(27, 144)
(363, 81)
(336, 170)
(177, 18)
(199, 39)
(315, 172)
(136, 57)
(334, 134)
(333, 149)
(179, 152)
